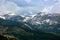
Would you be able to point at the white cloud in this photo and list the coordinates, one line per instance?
(34, 9)
(56, 8)
(28, 1)
(9, 7)
(47, 9)
(29, 10)
(14, 6)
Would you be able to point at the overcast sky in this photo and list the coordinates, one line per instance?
(27, 7)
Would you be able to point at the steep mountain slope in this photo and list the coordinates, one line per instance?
(42, 18)
(13, 17)
(42, 26)
(23, 32)
(46, 22)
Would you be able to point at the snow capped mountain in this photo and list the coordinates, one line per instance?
(33, 15)
(42, 18)
(46, 22)
(11, 14)
(26, 18)
(13, 17)
(36, 19)
(2, 17)
(43, 13)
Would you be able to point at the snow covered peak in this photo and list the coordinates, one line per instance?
(22, 15)
(47, 20)
(2, 17)
(33, 15)
(26, 18)
(44, 13)
(43, 17)
(11, 14)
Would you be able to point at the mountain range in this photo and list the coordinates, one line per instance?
(40, 26)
